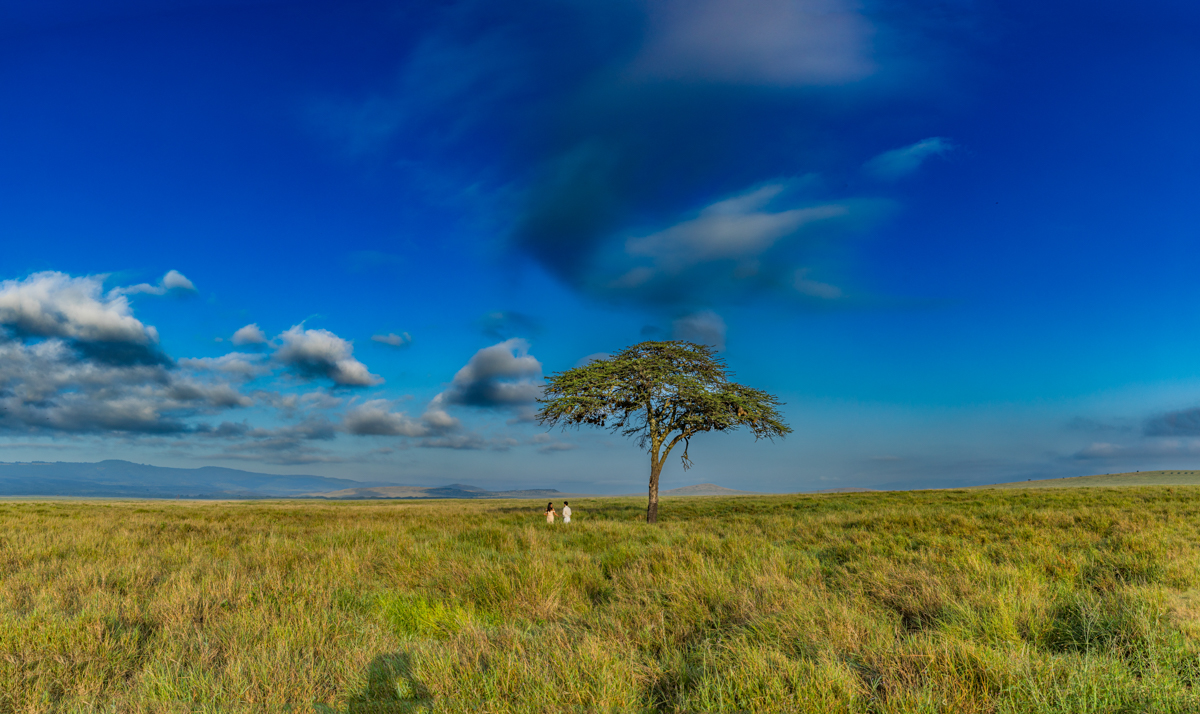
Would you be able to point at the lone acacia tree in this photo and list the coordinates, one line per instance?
(662, 393)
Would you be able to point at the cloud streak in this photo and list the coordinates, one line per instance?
(392, 339)
(738, 228)
(652, 136)
(173, 280)
(787, 43)
(898, 163)
(706, 328)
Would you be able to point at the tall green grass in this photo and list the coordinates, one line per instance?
(951, 601)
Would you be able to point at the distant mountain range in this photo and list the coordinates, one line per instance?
(1136, 478)
(455, 490)
(123, 479)
(459, 490)
(700, 489)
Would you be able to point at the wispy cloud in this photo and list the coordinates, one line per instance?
(235, 364)
(740, 228)
(741, 245)
(173, 280)
(706, 328)
(813, 288)
(760, 42)
(392, 339)
(652, 135)
(506, 324)
(898, 163)
(557, 446)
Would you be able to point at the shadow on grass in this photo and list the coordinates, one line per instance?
(391, 689)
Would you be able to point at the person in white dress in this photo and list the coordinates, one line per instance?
(566, 513)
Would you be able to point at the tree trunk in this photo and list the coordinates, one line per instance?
(652, 508)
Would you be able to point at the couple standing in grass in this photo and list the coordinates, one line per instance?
(551, 513)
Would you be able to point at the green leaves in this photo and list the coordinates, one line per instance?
(661, 393)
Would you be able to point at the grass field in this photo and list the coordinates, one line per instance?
(938, 601)
(1122, 480)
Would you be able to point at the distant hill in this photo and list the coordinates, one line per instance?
(700, 489)
(1140, 478)
(124, 479)
(706, 489)
(457, 490)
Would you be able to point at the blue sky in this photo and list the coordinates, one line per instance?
(958, 238)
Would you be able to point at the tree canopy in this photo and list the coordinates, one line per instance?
(661, 394)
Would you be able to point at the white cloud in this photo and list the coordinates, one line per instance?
(738, 228)
(437, 416)
(53, 383)
(705, 327)
(813, 288)
(320, 399)
(523, 415)
(897, 163)
(548, 444)
(401, 340)
(320, 353)
(504, 374)
(251, 334)
(76, 360)
(216, 394)
(53, 304)
(376, 418)
(48, 387)
(758, 42)
(292, 444)
(173, 280)
(465, 442)
(240, 364)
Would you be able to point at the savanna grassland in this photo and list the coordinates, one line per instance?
(951, 601)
